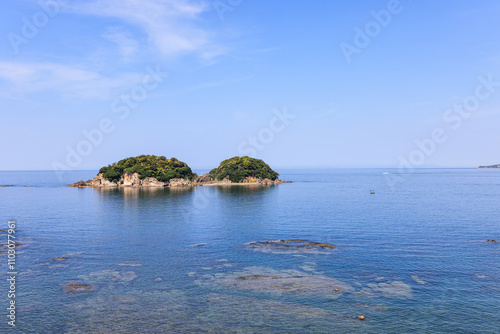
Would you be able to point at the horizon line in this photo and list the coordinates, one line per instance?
(286, 168)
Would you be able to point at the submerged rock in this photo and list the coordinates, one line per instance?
(279, 317)
(379, 308)
(289, 246)
(264, 309)
(4, 247)
(77, 287)
(365, 293)
(392, 289)
(72, 254)
(129, 264)
(418, 280)
(58, 266)
(108, 275)
(152, 311)
(172, 311)
(263, 279)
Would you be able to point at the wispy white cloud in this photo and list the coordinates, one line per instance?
(127, 45)
(19, 78)
(162, 28)
(172, 26)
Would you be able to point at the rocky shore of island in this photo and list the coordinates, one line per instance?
(158, 171)
(133, 180)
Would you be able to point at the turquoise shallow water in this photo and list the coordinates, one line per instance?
(171, 260)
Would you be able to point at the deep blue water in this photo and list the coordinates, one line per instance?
(135, 247)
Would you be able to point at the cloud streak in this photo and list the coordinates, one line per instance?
(126, 44)
(171, 26)
(21, 78)
(165, 29)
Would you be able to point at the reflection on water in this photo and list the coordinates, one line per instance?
(185, 203)
(140, 196)
(148, 193)
(146, 204)
(243, 189)
(245, 201)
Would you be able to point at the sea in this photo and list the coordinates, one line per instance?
(411, 257)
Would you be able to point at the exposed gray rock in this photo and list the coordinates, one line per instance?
(289, 246)
(205, 179)
(128, 180)
(133, 180)
(180, 183)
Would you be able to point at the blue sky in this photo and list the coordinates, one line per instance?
(228, 72)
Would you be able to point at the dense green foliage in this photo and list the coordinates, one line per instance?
(238, 168)
(161, 168)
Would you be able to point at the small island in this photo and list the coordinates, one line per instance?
(492, 166)
(158, 171)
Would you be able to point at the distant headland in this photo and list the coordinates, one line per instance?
(492, 166)
(158, 171)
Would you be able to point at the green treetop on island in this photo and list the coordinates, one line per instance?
(237, 169)
(161, 168)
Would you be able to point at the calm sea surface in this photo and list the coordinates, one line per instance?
(414, 255)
